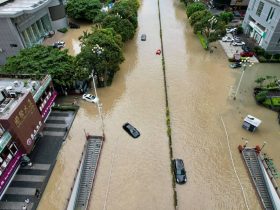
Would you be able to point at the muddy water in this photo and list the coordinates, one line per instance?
(135, 174)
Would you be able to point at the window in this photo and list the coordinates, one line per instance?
(260, 8)
(270, 14)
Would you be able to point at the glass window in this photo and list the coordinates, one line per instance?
(270, 14)
(260, 8)
(2, 130)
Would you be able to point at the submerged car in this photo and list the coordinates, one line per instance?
(132, 131)
(247, 54)
(235, 65)
(240, 43)
(227, 39)
(143, 37)
(231, 30)
(179, 171)
(90, 98)
(59, 44)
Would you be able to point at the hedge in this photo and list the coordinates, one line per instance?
(202, 40)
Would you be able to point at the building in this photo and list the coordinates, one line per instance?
(262, 23)
(24, 106)
(25, 23)
(230, 3)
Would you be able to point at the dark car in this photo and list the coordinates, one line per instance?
(143, 37)
(179, 171)
(235, 65)
(131, 130)
(245, 48)
(247, 54)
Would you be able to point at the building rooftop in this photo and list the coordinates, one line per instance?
(16, 8)
(14, 88)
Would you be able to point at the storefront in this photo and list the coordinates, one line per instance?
(9, 159)
(45, 97)
(256, 32)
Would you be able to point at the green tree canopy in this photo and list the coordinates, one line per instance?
(120, 25)
(106, 63)
(83, 9)
(226, 17)
(45, 60)
(199, 16)
(194, 7)
(127, 11)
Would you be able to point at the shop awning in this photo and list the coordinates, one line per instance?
(4, 140)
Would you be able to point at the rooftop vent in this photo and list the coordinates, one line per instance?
(16, 83)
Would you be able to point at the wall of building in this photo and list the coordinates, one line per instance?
(23, 121)
(10, 41)
(27, 29)
(269, 26)
(58, 14)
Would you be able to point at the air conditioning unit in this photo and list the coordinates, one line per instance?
(16, 83)
(13, 95)
(33, 83)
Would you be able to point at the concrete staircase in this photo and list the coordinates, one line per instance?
(253, 164)
(93, 149)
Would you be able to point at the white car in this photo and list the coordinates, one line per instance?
(227, 39)
(231, 30)
(59, 44)
(90, 98)
(238, 43)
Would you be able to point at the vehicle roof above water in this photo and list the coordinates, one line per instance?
(179, 163)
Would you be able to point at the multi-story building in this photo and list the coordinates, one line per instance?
(24, 106)
(262, 23)
(25, 23)
(230, 3)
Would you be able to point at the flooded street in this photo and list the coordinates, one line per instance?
(135, 173)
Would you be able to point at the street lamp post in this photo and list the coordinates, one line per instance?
(245, 62)
(212, 21)
(98, 50)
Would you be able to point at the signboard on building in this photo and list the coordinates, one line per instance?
(25, 122)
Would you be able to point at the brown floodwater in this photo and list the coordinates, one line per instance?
(135, 173)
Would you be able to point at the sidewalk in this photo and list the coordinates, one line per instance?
(230, 50)
(30, 181)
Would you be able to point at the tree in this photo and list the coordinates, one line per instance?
(260, 81)
(199, 15)
(226, 17)
(126, 11)
(83, 9)
(194, 7)
(120, 25)
(45, 60)
(105, 64)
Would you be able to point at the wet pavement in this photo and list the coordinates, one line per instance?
(30, 179)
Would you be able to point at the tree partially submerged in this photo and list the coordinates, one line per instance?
(45, 60)
(83, 9)
(194, 7)
(106, 63)
(120, 25)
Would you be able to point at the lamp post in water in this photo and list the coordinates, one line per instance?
(98, 51)
(245, 62)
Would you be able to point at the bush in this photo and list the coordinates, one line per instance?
(261, 96)
(262, 59)
(62, 30)
(259, 51)
(202, 40)
(267, 55)
(273, 60)
(239, 30)
(276, 56)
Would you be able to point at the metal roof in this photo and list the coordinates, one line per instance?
(18, 7)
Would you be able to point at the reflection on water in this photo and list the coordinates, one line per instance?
(199, 86)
